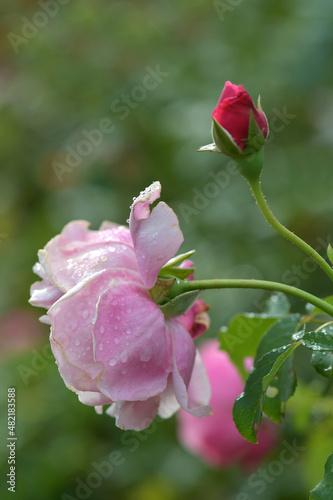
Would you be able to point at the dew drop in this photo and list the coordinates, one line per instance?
(116, 341)
(145, 354)
(77, 342)
(100, 347)
(124, 357)
(85, 314)
(71, 326)
(101, 329)
(128, 331)
(112, 362)
(124, 371)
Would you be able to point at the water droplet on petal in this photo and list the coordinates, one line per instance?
(116, 341)
(100, 347)
(112, 362)
(128, 331)
(124, 371)
(145, 354)
(77, 342)
(101, 329)
(124, 357)
(71, 326)
(85, 314)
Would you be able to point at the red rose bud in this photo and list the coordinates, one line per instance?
(239, 128)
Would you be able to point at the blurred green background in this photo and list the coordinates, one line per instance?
(65, 66)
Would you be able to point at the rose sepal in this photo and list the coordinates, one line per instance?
(224, 142)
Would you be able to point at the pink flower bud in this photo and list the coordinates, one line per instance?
(231, 122)
(215, 437)
(112, 343)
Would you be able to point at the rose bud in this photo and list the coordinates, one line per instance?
(215, 438)
(112, 343)
(238, 128)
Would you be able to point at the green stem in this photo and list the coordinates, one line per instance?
(187, 286)
(272, 220)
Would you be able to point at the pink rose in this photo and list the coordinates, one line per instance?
(233, 115)
(215, 437)
(111, 341)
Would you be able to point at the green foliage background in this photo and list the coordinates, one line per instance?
(67, 78)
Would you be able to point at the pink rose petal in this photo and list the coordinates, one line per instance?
(78, 253)
(91, 398)
(131, 342)
(73, 317)
(184, 356)
(136, 415)
(168, 401)
(156, 235)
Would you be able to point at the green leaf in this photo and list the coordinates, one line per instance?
(277, 305)
(284, 383)
(180, 304)
(324, 490)
(240, 339)
(323, 363)
(321, 340)
(278, 335)
(247, 410)
(330, 253)
(282, 387)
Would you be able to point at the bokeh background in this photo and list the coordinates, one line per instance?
(62, 73)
